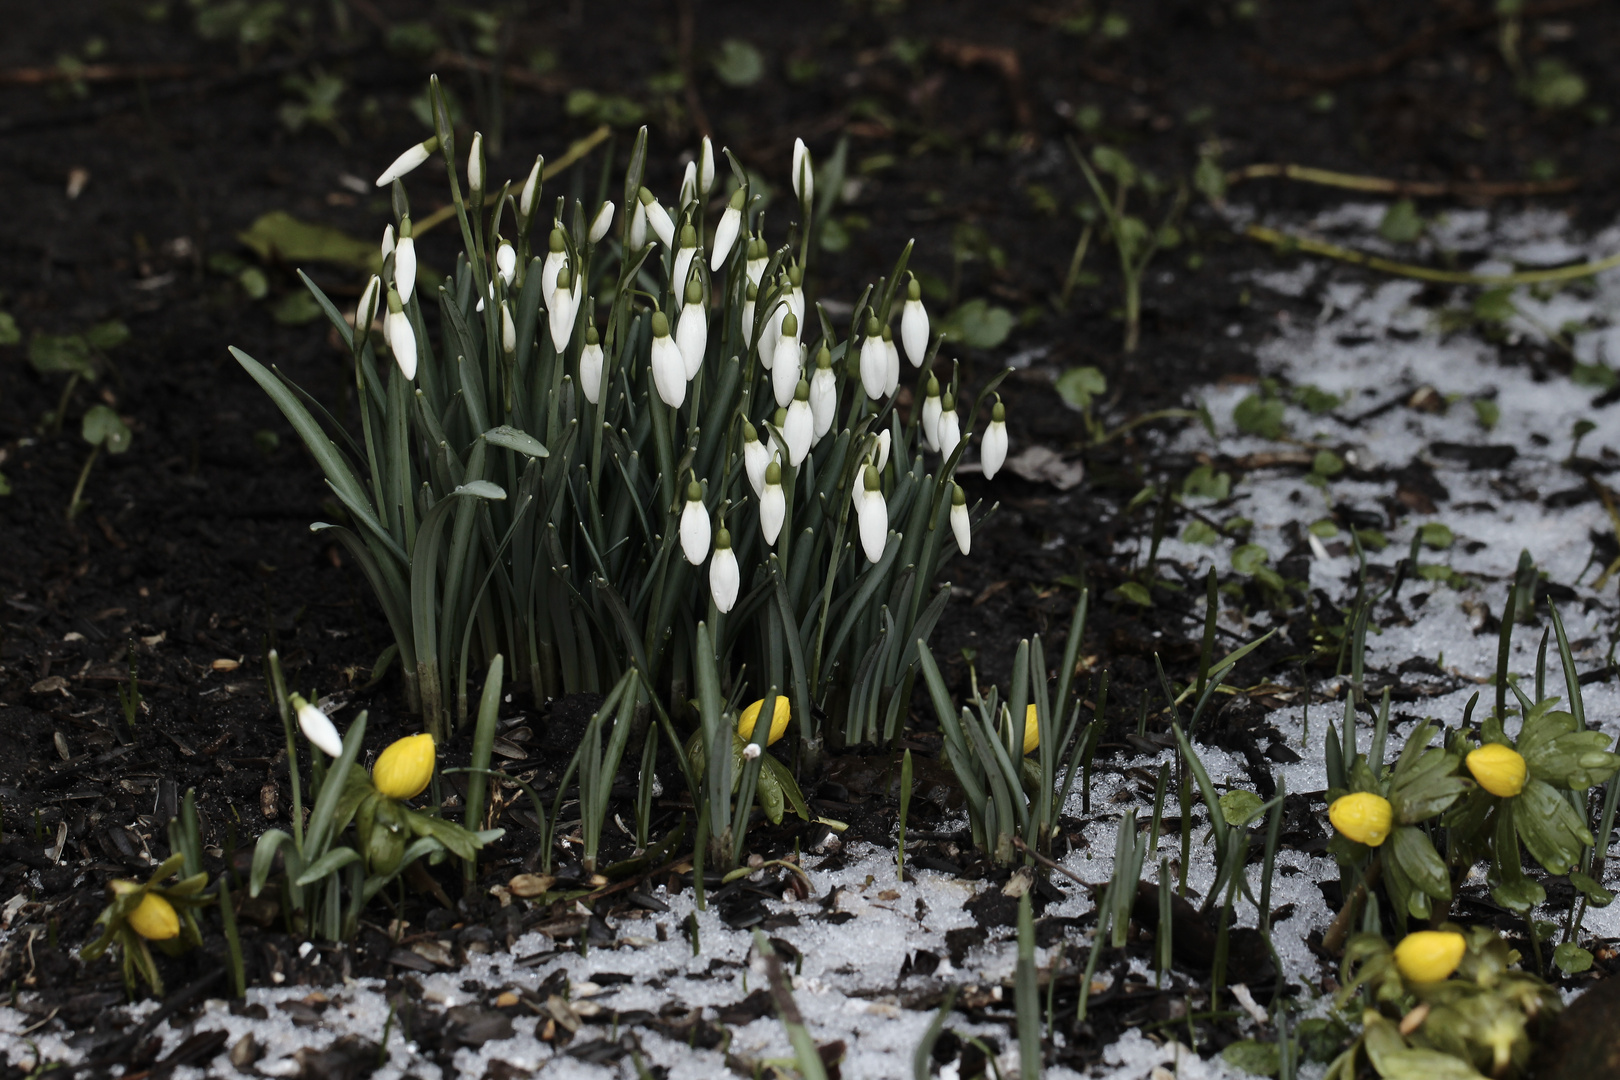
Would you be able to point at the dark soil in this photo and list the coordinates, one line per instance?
(193, 553)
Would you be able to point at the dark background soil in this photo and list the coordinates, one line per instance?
(194, 548)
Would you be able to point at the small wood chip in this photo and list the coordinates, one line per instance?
(528, 886)
(226, 664)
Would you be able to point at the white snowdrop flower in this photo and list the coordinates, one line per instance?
(891, 360)
(475, 163)
(681, 271)
(950, 426)
(960, 525)
(317, 727)
(770, 332)
(387, 241)
(668, 366)
(724, 579)
(759, 257)
(795, 294)
(689, 188)
(506, 262)
(408, 161)
(638, 227)
(756, 455)
(873, 515)
(591, 365)
(400, 335)
(804, 173)
(556, 259)
(405, 262)
(749, 297)
(508, 330)
(800, 426)
(602, 223)
(705, 167)
(725, 233)
(366, 310)
(751, 752)
(786, 362)
(772, 505)
(695, 525)
(914, 324)
(531, 188)
(874, 360)
(823, 393)
(658, 218)
(880, 452)
(692, 329)
(563, 306)
(993, 451)
(930, 414)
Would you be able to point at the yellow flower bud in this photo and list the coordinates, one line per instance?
(155, 919)
(1032, 730)
(1499, 769)
(404, 769)
(1429, 956)
(779, 719)
(1363, 817)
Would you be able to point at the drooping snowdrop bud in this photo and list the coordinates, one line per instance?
(725, 233)
(705, 167)
(891, 359)
(772, 505)
(823, 393)
(695, 526)
(755, 457)
(804, 173)
(317, 727)
(724, 580)
(387, 241)
(786, 362)
(556, 259)
(749, 296)
(638, 227)
(692, 329)
(960, 525)
(506, 262)
(682, 268)
(531, 188)
(405, 262)
(759, 257)
(874, 360)
(873, 515)
(658, 218)
(590, 366)
(930, 414)
(401, 336)
(408, 161)
(366, 310)
(914, 324)
(602, 223)
(880, 452)
(795, 294)
(993, 451)
(689, 187)
(668, 366)
(475, 165)
(508, 330)
(562, 308)
(799, 427)
(950, 425)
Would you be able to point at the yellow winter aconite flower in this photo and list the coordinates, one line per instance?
(1363, 817)
(1499, 769)
(1032, 730)
(155, 919)
(1429, 956)
(779, 719)
(404, 768)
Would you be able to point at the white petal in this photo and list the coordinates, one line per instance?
(804, 173)
(560, 315)
(756, 271)
(891, 372)
(914, 331)
(993, 452)
(724, 580)
(695, 532)
(882, 449)
(930, 421)
(692, 335)
(756, 458)
(823, 400)
(798, 429)
(689, 184)
(661, 224)
(772, 512)
(590, 373)
(506, 262)
(669, 371)
(318, 729)
(638, 228)
(950, 432)
(402, 339)
(962, 528)
(725, 234)
(405, 268)
(748, 321)
(680, 272)
(705, 176)
(603, 222)
(874, 367)
(874, 520)
(508, 329)
(403, 164)
(555, 261)
(387, 241)
(786, 367)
